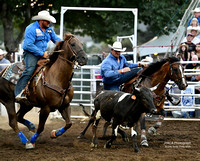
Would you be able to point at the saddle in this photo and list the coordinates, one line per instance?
(40, 65)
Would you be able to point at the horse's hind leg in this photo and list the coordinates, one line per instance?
(20, 117)
(10, 106)
(144, 141)
(66, 113)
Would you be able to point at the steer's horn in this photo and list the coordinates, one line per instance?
(138, 89)
(154, 88)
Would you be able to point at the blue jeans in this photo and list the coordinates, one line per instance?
(30, 65)
(124, 77)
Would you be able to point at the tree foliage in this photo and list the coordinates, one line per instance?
(101, 26)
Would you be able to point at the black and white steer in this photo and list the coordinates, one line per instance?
(122, 109)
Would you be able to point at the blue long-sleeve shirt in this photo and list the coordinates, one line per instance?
(110, 67)
(35, 39)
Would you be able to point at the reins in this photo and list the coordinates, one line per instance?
(56, 88)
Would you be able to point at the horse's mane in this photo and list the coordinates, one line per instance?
(53, 57)
(153, 67)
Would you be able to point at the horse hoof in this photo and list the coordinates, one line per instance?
(53, 134)
(29, 146)
(152, 131)
(144, 143)
(93, 145)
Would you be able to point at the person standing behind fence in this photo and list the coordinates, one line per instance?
(194, 22)
(183, 53)
(188, 41)
(3, 60)
(194, 31)
(196, 13)
(115, 70)
(192, 66)
(36, 37)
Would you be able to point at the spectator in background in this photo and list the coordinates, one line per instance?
(195, 32)
(3, 60)
(194, 22)
(198, 50)
(192, 66)
(188, 41)
(196, 13)
(183, 53)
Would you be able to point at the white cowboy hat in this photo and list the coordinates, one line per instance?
(196, 10)
(44, 15)
(190, 28)
(117, 46)
(2, 52)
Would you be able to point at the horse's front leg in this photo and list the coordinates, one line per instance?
(66, 113)
(152, 130)
(144, 141)
(44, 113)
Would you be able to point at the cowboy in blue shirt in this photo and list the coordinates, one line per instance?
(115, 69)
(37, 35)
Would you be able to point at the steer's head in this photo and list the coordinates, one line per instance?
(146, 99)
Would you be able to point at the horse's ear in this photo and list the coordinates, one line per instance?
(68, 35)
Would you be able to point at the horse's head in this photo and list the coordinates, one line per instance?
(72, 49)
(176, 73)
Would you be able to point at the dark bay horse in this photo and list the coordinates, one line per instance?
(53, 90)
(155, 75)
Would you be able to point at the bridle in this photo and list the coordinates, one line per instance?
(172, 73)
(72, 59)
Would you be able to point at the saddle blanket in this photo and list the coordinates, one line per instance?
(13, 72)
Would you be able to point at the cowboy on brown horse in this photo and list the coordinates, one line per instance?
(37, 35)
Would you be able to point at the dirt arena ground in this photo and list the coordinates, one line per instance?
(177, 140)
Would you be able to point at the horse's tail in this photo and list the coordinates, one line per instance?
(83, 108)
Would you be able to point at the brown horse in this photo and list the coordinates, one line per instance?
(53, 90)
(155, 75)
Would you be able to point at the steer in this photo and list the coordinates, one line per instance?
(122, 109)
